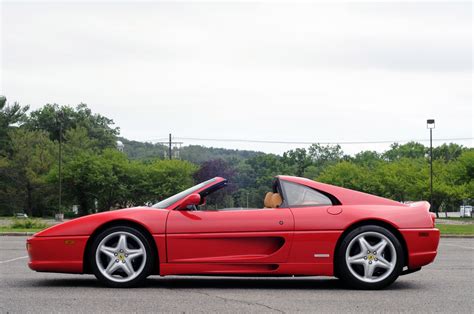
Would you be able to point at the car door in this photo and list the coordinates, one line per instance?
(229, 236)
(316, 219)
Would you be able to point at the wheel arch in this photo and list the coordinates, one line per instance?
(366, 222)
(113, 223)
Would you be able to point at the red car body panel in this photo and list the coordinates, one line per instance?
(63, 254)
(422, 245)
(280, 241)
(61, 248)
(262, 235)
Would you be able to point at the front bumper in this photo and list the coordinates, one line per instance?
(63, 254)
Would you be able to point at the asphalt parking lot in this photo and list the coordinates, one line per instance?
(446, 286)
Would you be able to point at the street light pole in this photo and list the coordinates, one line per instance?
(430, 124)
(431, 169)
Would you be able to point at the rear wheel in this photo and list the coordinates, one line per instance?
(370, 257)
(121, 257)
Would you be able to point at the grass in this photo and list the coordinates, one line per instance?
(467, 229)
(28, 224)
(24, 225)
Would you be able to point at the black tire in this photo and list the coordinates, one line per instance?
(352, 280)
(147, 262)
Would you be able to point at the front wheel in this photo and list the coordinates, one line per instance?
(370, 257)
(121, 257)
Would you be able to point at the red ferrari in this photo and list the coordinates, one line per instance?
(307, 228)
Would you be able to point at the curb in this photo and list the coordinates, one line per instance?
(10, 234)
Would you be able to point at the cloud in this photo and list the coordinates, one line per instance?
(256, 70)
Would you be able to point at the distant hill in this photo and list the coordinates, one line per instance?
(199, 154)
(193, 153)
(142, 150)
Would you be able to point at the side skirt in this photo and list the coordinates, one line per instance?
(244, 269)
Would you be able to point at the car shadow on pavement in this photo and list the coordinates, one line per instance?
(297, 283)
(306, 283)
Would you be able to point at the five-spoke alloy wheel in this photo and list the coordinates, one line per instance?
(370, 257)
(121, 257)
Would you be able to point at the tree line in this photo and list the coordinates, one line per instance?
(98, 177)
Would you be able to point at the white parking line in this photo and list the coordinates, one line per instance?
(464, 247)
(13, 259)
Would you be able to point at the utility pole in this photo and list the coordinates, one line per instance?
(60, 121)
(169, 148)
(170, 144)
(60, 164)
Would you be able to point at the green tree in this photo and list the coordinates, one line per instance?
(50, 116)
(9, 116)
(168, 177)
(446, 192)
(448, 152)
(299, 159)
(114, 192)
(138, 185)
(325, 155)
(221, 168)
(311, 162)
(352, 176)
(367, 158)
(77, 140)
(255, 176)
(11, 199)
(84, 177)
(461, 173)
(405, 179)
(312, 172)
(32, 156)
(408, 150)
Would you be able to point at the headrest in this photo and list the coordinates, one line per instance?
(268, 200)
(276, 200)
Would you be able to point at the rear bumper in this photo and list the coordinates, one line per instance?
(422, 245)
(56, 254)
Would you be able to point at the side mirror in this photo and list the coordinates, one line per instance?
(190, 200)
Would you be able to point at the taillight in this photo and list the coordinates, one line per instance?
(433, 219)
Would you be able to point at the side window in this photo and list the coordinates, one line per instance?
(300, 195)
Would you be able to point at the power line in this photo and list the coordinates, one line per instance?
(316, 142)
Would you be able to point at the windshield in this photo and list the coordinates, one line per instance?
(173, 199)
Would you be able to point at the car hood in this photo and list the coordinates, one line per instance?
(150, 218)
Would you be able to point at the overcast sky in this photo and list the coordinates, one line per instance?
(281, 72)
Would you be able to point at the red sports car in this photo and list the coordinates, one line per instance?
(307, 228)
